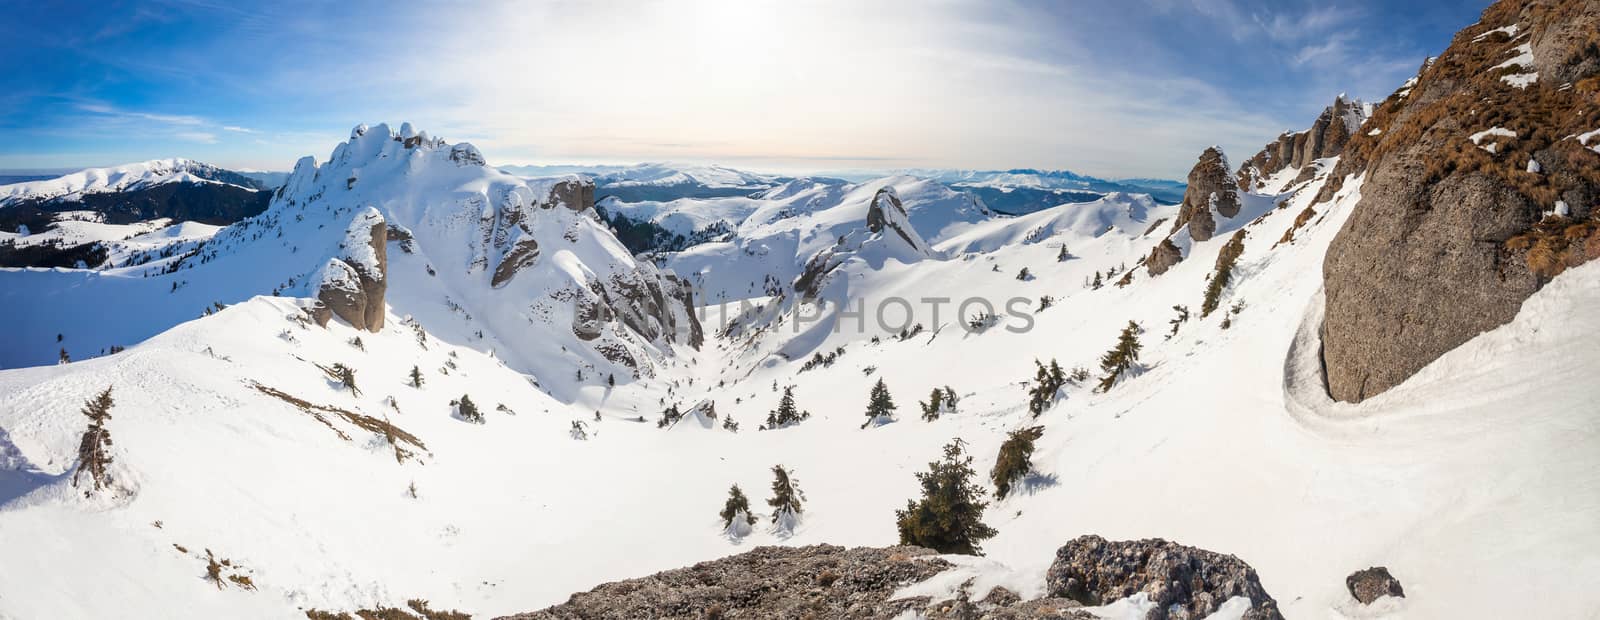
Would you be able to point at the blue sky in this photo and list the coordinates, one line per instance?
(1133, 88)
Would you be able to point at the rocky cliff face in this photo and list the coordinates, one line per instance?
(352, 285)
(1481, 180)
(1211, 192)
(1326, 138)
(824, 581)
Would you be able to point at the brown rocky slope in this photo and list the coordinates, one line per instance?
(1479, 187)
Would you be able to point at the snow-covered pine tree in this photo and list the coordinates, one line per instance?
(1178, 321)
(669, 416)
(786, 414)
(1121, 358)
(1024, 275)
(949, 516)
(468, 410)
(1047, 381)
(933, 406)
(416, 377)
(1014, 460)
(94, 449)
(785, 502)
(736, 517)
(1063, 255)
(880, 407)
(1097, 282)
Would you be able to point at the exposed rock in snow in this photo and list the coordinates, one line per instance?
(1163, 257)
(352, 286)
(1370, 584)
(1183, 582)
(1211, 192)
(886, 211)
(1326, 138)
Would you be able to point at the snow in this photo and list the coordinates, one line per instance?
(1508, 30)
(1523, 60)
(1492, 132)
(115, 179)
(1475, 481)
(1585, 138)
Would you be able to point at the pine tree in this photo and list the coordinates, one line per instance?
(1178, 321)
(785, 502)
(736, 517)
(1014, 462)
(416, 377)
(468, 410)
(949, 517)
(669, 416)
(933, 406)
(1097, 282)
(64, 358)
(1024, 275)
(611, 380)
(94, 449)
(1047, 381)
(880, 407)
(1121, 358)
(1063, 255)
(786, 414)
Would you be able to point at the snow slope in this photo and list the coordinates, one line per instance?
(118, 179)
(1475, 482)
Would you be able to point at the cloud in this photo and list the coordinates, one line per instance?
(197, 136)
(237, 129)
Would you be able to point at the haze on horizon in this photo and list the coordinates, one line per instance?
(1135, 90)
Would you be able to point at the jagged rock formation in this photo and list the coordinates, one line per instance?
(1212, 191)
(886, 211)
(825, 581)
(1326, 138)
(1163, 257)
(352, 286)
(1373, 583)
(889, 233)
(1453, 230)
(1184, 582)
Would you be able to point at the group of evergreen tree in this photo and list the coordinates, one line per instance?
(949, 516)
(787, 414)
(1121, 358)
(94, 448)
(468, 410)
(669, 416)
(940, 401)
(1226, 257)
(786, 500)
(1047, 382)
(1014, 460)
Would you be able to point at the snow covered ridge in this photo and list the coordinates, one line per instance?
(123, 178)
(522, 266)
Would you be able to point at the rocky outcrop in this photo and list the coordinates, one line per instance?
(824, 581)
(1326, 138)
(887, 212)
(524, 253)
(352, 285)
(1373, 583)
(821, 581)
(1452, 231)
(1211, 192)
(1184, 582)
(574, 194)
(1163, 257)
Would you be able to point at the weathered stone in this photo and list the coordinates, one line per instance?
(522, 255)
(348, 288)
(1373, 583)
(1163, 257)
(1184, 582)
(574, 194)
(1211, 190)
(1425, 261)
(1326, 138)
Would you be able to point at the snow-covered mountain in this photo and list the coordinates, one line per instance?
(417, 377)
(76, 186)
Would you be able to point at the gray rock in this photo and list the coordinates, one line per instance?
(1212, 191)
(1373, 583)
(1163, 257)
(1326, 138)
(1423, 262)
(574, 194)
(348, 290)
(1185, 582)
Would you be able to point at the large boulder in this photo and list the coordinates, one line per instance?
(1453, 231)
(1163, 257)
(1184, 582)
(1373, 583)
(1212, 191)
(574, 194)
(352, 285)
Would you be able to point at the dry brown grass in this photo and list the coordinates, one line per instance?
(395, 434)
